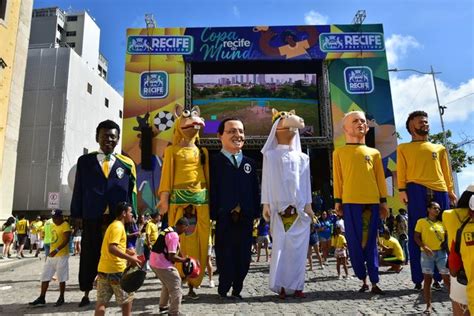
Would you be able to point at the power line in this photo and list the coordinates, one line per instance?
(455, 100)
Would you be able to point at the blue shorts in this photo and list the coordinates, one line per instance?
(439, 259)
(313, 239)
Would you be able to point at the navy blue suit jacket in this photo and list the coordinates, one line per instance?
(93, 192)
(231, 186)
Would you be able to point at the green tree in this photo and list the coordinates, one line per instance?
(460, 159)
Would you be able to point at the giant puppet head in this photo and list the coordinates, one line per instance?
(355, 127)
(285, 130)
(288, 125)
(187, 124)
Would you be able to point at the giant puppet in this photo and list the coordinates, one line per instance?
(235, 203)
(184, 187)
(286, 199)
(360, 195)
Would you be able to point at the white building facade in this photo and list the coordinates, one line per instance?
(65, 97)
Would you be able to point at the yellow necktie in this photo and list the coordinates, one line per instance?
(105, 166)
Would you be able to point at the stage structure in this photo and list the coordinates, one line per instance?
(320, 71)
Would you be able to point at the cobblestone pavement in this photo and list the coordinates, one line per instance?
(19, 284)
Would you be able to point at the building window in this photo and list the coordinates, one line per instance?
(72, 18)
(89, 88)
(60, 29)
(106, 103)
(120, 113)
(71, 33)
(85, 151)
(58, 41)
(72, 44)
(3, 9)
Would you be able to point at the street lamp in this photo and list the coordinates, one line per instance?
(441, 108)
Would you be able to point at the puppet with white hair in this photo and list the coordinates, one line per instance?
(360, 194)
(286, 199)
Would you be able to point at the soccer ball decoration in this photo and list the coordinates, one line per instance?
(164, 120)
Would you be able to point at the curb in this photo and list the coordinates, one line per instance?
(15, 263)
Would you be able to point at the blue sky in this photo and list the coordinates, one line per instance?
(418, 33)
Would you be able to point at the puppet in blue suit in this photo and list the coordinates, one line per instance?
(103, 179)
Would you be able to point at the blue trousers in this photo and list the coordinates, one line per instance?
(418, 198)
(364, 260)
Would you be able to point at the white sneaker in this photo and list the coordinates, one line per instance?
(212, 284)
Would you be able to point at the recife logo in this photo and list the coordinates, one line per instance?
(350, 42)
(153, 85)
(160, 45)
(358, 80)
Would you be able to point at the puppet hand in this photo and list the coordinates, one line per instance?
(309, 211)
(266, 212)
(383, 211)
(338, 209)
(452, 197)
(403, 197)
(163, 206)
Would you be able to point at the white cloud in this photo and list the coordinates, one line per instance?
(315, 18)
(417, 92)
(397, 46)
(236, 11)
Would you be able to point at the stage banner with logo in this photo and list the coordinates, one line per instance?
(363, 85)
(154, 83)
(155, 78)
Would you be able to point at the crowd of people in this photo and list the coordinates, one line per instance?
(213, 205)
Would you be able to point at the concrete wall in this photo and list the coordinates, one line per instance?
(14, 35)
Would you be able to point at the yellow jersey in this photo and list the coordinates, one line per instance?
(358, 174)
(22, 226)
(467, 255)
(393, 244)
(339, 241)
(109, 263)
(58, 236)
(152, 231)
(429, 237)
(288, 221)
(452, 220)
(35, 226)
(424, 163)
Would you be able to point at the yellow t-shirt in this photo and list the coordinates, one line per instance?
(338, 241)
(452, 220)
(424, 163)
(35, 226)
(21, 226)
(298, 50)
(359, 177)
(115, 234)
(58, 237)
(393, 244)
(152, 231)
(288, 221)
(428, 236)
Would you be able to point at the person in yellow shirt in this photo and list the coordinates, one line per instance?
(340, 251)
(360, 195)
(423, 174)
(392, 253)
(151, 235)
(58, 261)
(429, 236)
(452, 220)
(113, 261)
(22, 226)
(34, 234)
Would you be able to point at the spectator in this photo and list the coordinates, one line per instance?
(58, 262)
(429, 236)
(22, 232)
(113, 261)
(8, 231)
(314, 244)
(324, 234)
(340, 251)
(77, 240)
(391, 253)
(34, 234)
(165, 253)
(151, 231)
(401, 231)
(263, 238)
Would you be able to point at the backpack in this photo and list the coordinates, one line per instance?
(461, 276)
(160, 245)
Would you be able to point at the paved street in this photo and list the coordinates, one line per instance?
(325, 294)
